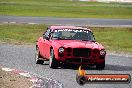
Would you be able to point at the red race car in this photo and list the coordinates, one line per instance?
(69, 44)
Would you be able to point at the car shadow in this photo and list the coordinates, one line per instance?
(118, 67)
(107, 67)
(45, 64)
(111, 67)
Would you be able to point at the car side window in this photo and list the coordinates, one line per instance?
(47, 33)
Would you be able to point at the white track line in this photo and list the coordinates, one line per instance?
(7, 69)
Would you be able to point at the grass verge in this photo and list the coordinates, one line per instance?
(20, 33)
(114, 39)
(65, 8)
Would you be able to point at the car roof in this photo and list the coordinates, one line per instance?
(67, 27)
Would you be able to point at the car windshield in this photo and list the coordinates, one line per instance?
(73, 34)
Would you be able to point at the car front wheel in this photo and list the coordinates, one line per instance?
(52, 61)
(37, 57)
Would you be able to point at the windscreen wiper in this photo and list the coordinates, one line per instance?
(89, 40)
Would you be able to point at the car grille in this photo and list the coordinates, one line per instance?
(81, 52)
(77, 60)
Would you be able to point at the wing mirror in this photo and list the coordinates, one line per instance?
(45, 37)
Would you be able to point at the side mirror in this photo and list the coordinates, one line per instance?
(45, 37)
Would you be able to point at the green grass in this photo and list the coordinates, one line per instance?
(64, 8)
(114, 39)
(21, 33)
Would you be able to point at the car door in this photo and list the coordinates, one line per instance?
(47, 47)
(46, 43)
(40, 44)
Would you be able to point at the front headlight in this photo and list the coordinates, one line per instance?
(102, 52)
(61, 50)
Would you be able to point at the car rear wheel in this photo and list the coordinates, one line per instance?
(37, 57)
(53, 63)
(100, 66)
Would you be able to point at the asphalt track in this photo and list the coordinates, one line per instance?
(68, 21)
(22, 57)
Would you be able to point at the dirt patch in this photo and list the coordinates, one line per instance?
(12, 80)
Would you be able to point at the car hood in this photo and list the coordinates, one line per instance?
(78, 44)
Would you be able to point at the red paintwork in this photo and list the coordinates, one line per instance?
(45, 45)
(67, 27)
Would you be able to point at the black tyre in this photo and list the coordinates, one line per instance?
(37, 57)
(53, 63)
(100, 66)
